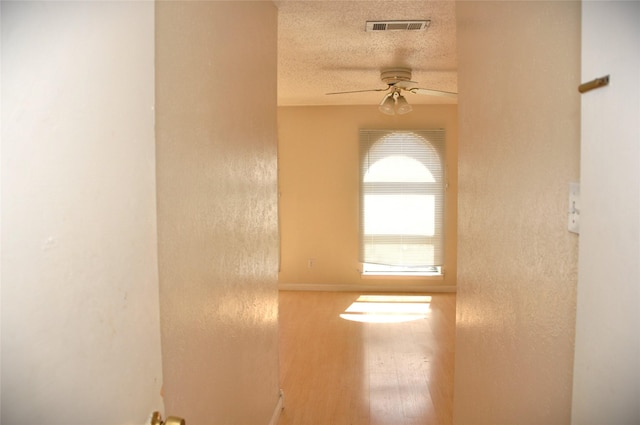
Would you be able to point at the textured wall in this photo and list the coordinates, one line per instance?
(80, 314)
(319, 176)
(217, 209)
(519, 149)
(607, 361)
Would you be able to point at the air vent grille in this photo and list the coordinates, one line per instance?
(414, 25)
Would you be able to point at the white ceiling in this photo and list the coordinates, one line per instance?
(323, 47)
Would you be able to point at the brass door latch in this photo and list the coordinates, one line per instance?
(156, 419)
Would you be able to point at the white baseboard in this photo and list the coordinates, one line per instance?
(276, 413)
(368, 287)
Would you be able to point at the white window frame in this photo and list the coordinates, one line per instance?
(435, 144)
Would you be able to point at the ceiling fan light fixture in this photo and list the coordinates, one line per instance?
(394, 103)
(403, 106)
(387, 106)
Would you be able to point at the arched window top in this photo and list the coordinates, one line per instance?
(398, 168)
(401, 156)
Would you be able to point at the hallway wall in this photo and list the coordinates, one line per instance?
(80, 314)
(217, 209)
(519, 69)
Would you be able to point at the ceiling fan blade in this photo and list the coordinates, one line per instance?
(405, 85)
(358, 91)
(433, 92)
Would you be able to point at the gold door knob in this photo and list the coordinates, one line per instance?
(156, 419)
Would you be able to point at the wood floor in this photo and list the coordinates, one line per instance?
(340, 372)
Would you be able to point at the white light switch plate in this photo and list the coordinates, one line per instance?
(574, 207)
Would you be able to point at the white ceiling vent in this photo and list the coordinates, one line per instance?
(420, 25)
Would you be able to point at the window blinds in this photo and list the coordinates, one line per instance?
(402, 183)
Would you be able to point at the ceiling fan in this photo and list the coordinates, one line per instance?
(397, 81)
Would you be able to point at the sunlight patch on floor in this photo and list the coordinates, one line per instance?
(388, 308)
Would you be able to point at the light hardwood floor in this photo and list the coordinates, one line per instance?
(338, 372)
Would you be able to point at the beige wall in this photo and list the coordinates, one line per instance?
(519, 69)
(217, 209)
(80, 314)
(319, 193)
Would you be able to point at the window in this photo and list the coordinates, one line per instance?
(402, 201)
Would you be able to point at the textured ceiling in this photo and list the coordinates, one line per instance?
(323, 47)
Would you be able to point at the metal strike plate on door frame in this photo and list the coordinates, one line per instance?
(594, 84)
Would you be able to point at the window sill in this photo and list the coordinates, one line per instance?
(408, 276)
